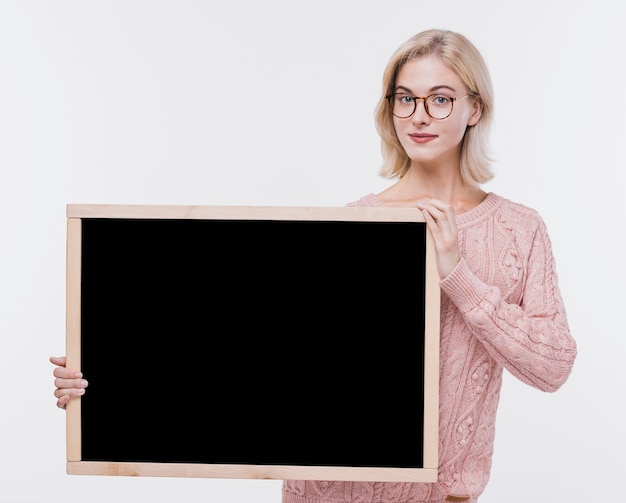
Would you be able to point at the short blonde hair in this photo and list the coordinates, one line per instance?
(461, 56)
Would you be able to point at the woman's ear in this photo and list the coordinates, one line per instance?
(477, 111)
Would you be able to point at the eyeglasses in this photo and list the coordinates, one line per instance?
(437, 106)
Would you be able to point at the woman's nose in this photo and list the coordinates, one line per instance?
(420, 115)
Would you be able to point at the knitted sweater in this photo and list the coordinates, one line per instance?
(500, 308)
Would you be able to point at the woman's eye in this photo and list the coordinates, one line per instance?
(404, 98)
(439, 99)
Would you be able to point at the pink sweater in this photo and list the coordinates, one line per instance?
(500, 308)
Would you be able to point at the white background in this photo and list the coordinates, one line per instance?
(271, 102)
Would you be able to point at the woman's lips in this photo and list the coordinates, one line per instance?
(422, 137)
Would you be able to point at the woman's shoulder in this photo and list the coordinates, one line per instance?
(494, 205)
(516, 208)
(514, 214)
(502, 211)
(366, 201)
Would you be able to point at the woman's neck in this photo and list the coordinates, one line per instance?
(418, 185)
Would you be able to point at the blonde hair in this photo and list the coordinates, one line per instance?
(461, 56)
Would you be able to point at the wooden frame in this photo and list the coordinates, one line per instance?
(332, 389)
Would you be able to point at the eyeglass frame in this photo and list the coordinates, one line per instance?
(424, 100)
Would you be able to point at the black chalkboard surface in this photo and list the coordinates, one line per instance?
(253, 342)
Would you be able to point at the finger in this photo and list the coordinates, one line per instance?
(443, 214)
(446, 211)
(65, 373)
(65, 395)
(435, 218)
(62, 383)
(437, 209)
(430, 220)
(62, 402)
(58, 360)
(437, 203)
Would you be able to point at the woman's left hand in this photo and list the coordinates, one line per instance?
(440, 218)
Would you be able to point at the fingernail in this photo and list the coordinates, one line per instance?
(84, 383)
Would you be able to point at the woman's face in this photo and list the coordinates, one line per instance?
(427, 140)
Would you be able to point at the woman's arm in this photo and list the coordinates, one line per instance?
(531, 340)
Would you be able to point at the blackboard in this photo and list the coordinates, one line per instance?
(253, 342)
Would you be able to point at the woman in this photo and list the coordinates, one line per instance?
(500, 305)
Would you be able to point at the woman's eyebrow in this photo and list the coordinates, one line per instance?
(431, 90)
(402, 88)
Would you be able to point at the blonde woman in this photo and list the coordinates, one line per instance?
(500, 307)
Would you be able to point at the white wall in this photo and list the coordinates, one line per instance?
(271, 102)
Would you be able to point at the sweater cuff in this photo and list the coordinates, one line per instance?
(464, 288)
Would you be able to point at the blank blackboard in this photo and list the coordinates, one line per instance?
(253, 342)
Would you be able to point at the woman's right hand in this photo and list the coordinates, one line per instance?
(69, 383)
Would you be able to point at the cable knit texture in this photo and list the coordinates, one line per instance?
(500, 309)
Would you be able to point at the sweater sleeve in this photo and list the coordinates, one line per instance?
(530, 339)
